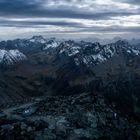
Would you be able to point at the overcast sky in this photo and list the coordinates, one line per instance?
(69, 18)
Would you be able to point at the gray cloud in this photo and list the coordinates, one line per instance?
(69, 13)
(27, 23)
(110, 29)
(79, 27)
(136, 2)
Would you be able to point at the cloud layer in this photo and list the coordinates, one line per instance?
(69, 17)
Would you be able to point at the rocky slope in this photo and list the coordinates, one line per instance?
(84, 116)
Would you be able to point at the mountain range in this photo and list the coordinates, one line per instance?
(40, 67)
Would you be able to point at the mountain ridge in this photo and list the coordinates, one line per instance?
(69, 68)
(86, 52)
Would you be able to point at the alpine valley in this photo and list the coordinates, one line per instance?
(40, 76)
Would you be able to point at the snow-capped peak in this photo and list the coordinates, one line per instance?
(38, 39)
(51, 43)
(70, 48)
(9, 57)
(94, 53)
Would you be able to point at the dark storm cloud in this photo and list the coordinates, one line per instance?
(17, 7)
(34, 8)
